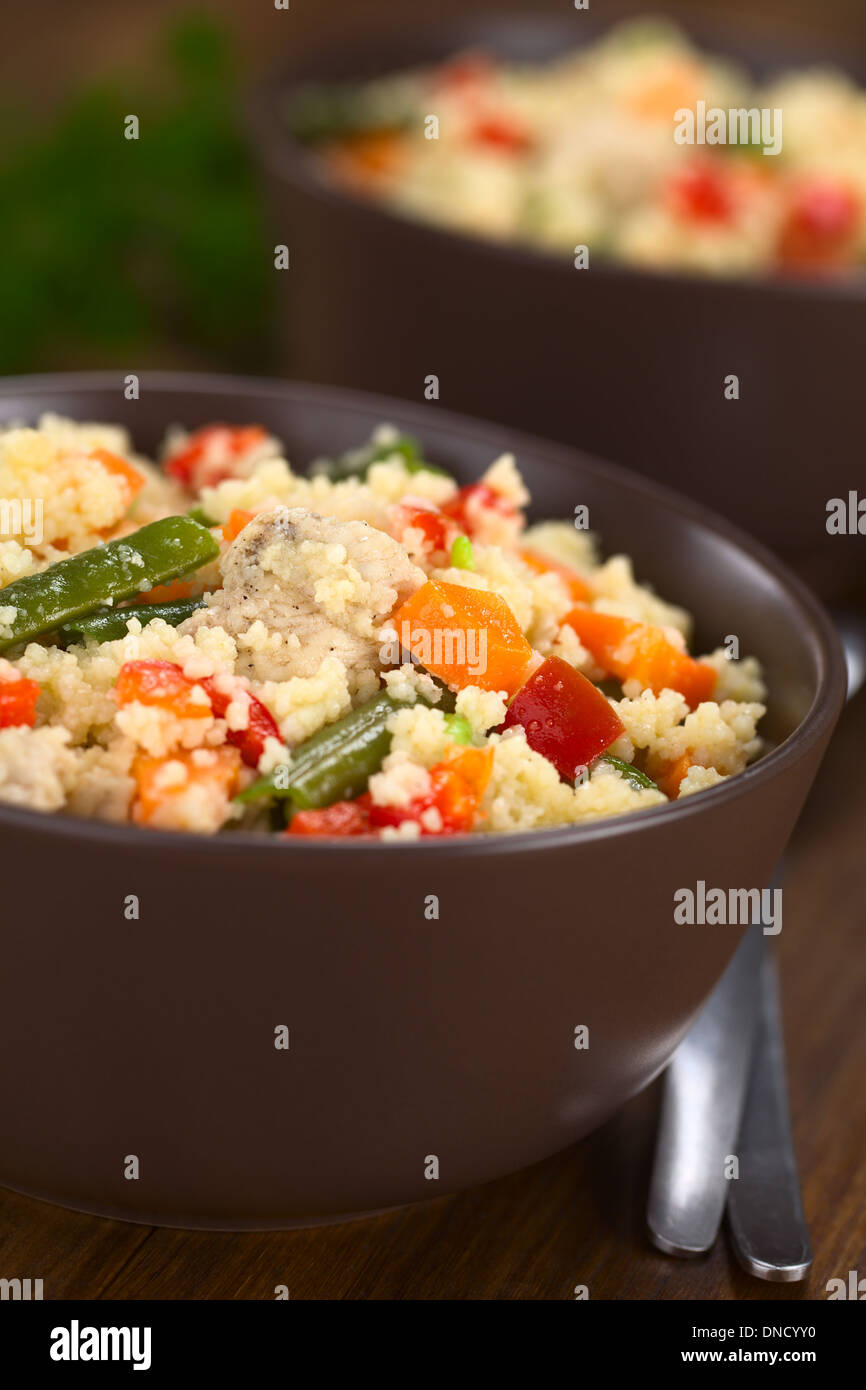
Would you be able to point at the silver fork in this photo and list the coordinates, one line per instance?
(725, 1097)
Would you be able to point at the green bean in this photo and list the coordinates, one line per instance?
(356, 463)
(337, 762)
(109, 624)
(327, 112)
(632, 774)
(154, 555)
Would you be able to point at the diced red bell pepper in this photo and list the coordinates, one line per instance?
(457, 786)
(701, 194)
(471, 503)
(18, 703)
(160, 683)
(211, 454)
(821, 226)
(163, 683)
(500, 133)
(434, 526)
(565, 717)
(464, 71)
(261, 726)
(341, 819)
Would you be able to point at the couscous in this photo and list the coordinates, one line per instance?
(638, 147)
(222, 644)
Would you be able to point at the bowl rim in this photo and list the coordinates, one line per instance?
(287, 156)
(819, 632)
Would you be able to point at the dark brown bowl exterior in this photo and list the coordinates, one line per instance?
(628, 364)
(410, 1038)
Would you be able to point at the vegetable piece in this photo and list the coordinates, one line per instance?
(18, 702)
(261, 726)
(366, 157)
(109, 624)
(502, 134)
(356, 463)
(458, 728)
(236, 523)
(576, 586)
(464, 636)
(319, 112)
(435, 528)
(457, 786)
(632, 650)
(338, 761)
(72, 587)
(168, 593)
(161, 683)
(564, 716)
(821, 226)
(342, 819)
(670, 773)
(462, 556)
(631, 773)
(165, 786)
(472, 505)
(119, 468)
(211, 454)
(702, 194)
(200, 515)
(465, 70)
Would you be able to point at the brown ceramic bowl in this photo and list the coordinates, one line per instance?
(627, 363)
(408, 1037)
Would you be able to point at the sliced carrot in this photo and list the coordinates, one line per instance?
(668, 774)
(167, 593)
(464, 636)
(157, 786)
(472, 767)
(668, 92)
(236, 523)
(366, 160)
(576, 586)
(630, 650)
(119, 468)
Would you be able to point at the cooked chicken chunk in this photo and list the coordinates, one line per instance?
(298, 587)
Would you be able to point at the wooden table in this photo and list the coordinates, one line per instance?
(576, 1218)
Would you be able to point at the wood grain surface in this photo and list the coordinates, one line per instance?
(577, 1218)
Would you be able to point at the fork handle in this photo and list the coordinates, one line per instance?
(765, 1211)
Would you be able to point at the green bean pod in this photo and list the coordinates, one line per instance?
(336, 763)
(109, 573)
(638, 779)
(109, 624)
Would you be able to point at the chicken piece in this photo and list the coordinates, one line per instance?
(299, 587)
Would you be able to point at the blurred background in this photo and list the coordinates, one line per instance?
(157, 252)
